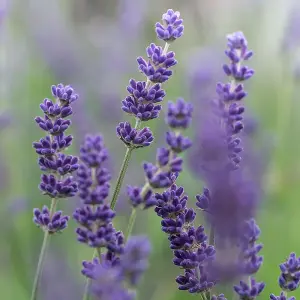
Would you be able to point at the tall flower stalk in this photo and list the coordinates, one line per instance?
(56, 182)
(145, 96)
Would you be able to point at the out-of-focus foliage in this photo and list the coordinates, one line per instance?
(93, 45)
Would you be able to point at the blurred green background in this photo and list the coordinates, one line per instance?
(93, 45)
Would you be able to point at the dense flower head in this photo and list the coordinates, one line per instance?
(157, 178)
(56, 188)
(48, 147)
(156, 69)
(289, 279)
(282, 296)
(249, 291)
(65, 94)
(142, 101)
(95, 217)
(134, 138)
(62, 164)
(93, 178)
(189, 243)
(51, 223)
(179, 114)
(177, 142)
(171, 27)
(193, 283)
(140, 198)
(95, 190)
(93, 152)
(59, 183)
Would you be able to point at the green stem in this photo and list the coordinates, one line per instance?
(42, 256)
(86, 295)
(130, 223)
(123, 171)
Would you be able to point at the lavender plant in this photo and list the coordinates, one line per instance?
(56, 182)
(229, 199)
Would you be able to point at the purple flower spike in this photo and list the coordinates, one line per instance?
(171, 27)
(59, 183)
(281, 297)
(134, 138)
(251, 291)
(134, 260)
(289, 279)
(53, 224)
(179, 114)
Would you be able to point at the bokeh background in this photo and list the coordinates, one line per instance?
(93, 45)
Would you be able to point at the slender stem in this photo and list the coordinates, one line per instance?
(121, 177)
(130, 223)
(42, 256)
(122, 171)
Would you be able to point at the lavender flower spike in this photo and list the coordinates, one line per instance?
(168, 163)
(143, 101)
(289, 279)
(58, 183)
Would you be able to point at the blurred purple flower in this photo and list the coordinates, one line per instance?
(57, 281)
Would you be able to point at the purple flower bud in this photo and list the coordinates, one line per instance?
(55, 223)
(179, 114)
(134, 138)
(249, 291)
(289, 279)
(171, 27)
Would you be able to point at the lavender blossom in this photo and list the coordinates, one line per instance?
(168, 164)
(144, 95)
(189, 243)
(52, 224)
(134, 138)
(249, 291)
(172, 27)
(58, 183)
(289, 279)
(95, 217)
(281, 297)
